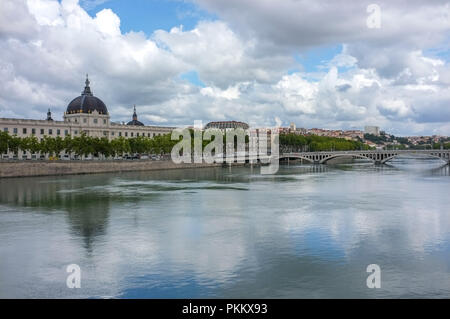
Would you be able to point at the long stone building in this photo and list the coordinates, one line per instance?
(85, 114)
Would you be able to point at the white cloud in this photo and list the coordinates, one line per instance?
(398, 108)
(297, 95)
(231, 93)
(108, 22)
(220, 56)
(383, 77)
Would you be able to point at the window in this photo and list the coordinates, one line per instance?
(126, 133)
(50, 131)
(148, 134)
(58, 132)
(33, 131)
(112, 133)
(104, 121)
(132, 134)
(76, 132)
(84, 120)
(42, 131)
(120, 133)
(66, 132)
(137, 134)
(105, 133)
(76, 120)
(15, 130)
(95, 121)
(24, 130)
(5, 129)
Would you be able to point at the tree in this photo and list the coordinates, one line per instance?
(58, 145)
(120, 146)
(14, 144)
(68, 144)
(30, 144)
(4, 142)
(314, 143)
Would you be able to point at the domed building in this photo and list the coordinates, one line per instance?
(85, 114)
(89, 113)
(86, 102)
(92, 115)
(226, 125)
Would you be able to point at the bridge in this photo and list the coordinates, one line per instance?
(376, 156)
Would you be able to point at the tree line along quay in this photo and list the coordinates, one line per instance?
(103, 148)
(314, 143)
(84, 145)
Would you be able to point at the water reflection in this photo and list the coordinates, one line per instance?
(309, 231)
(441, 171)
(86, 212)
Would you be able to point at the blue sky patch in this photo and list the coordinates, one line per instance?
(192, 77)
(151, 15)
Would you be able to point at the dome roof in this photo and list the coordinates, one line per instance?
(86, 102)
(135, 121)
(227, 124)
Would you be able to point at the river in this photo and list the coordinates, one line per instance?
(306, 232)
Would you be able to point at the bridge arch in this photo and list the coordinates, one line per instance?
(296, 157)
(324, 160)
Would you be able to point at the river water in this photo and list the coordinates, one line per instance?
(308, 231)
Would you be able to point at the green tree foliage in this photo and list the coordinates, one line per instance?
(315, 143)
(445, 146)
(84, 145)
(4, 142)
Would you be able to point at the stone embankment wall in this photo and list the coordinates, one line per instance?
(47, 168)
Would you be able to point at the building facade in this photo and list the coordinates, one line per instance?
(85, 114)
(227, 125)
(374, 130)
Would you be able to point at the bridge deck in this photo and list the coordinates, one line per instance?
(377, 156)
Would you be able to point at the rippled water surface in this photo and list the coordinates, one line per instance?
(309, 231)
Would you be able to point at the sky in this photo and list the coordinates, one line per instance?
(327, 64)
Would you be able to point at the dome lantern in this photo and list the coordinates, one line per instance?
(87, 88)
(87, 102)
(135, 121)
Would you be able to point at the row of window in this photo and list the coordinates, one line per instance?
(137, 134)
(42, 131)
(66, 132)
(85, 120)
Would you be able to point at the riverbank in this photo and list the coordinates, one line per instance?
(49, 168)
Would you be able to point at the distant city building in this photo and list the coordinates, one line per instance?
(292, 127)
(374, 130)
(85, 114)
(225, 125)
